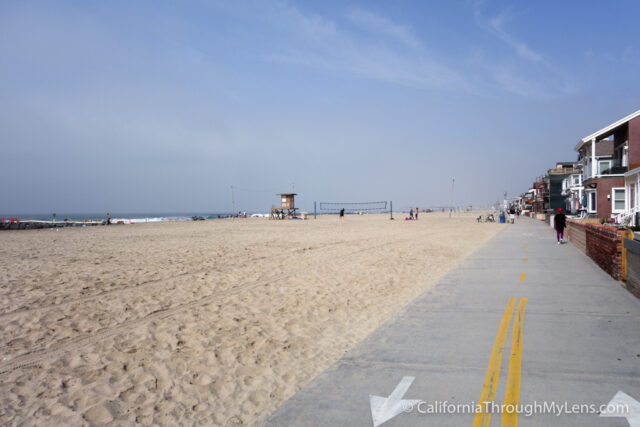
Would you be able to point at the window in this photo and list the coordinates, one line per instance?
(618, 199)
(591, 202)
(575, 179)
(603, 165)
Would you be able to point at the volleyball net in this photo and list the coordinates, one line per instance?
(327, 207)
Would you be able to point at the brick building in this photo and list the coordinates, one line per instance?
(606, 157)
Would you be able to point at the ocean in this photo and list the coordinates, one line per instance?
(127, 217)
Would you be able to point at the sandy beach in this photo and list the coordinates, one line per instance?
(212, 322)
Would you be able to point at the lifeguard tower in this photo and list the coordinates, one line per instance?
(287, 207)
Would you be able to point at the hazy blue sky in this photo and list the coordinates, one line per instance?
(142, 106)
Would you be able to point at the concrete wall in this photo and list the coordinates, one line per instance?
(577, 233)
(633, 266)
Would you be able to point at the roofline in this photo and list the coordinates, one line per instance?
(632, 172)
(606, 129)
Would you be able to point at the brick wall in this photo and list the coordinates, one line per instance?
(604, 247)
(604, 193)
(601, 243)
(634, 143)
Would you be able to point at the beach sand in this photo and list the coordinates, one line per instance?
(212, 322)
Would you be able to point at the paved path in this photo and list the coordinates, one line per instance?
(519, 301)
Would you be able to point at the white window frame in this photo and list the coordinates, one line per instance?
(600, 170)
(586, 171)
(590, 207)
(577, 177)
(613, 199)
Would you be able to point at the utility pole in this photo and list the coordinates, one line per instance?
(453, 183)
(233, 202)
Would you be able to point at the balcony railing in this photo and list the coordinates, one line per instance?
(615, 168)
(565, 171)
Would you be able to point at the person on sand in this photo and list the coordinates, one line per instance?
(411, 213)
(342, 213)
(560, 222)
(417, 211)
(108, 218)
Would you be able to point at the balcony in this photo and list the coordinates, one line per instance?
(605, 168)
(565, 171)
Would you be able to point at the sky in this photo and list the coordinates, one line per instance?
(162, 106)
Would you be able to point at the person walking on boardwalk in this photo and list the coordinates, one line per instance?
(560, 222)
(512, 214)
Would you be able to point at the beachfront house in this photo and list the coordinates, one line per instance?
(556, 179)
(573, 191)
(541, 196)
(604, 156)
(528, 199)
(627, 129)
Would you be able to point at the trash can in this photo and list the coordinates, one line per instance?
(502, 218)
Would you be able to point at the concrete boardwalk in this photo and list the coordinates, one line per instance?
(520, 299)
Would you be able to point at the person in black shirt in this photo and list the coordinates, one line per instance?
(560, 223)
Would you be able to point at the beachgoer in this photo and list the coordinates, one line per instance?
(417, 211)
(108, 218)
(512, 214)
(411, 213)
(560, 222)
(342, 213)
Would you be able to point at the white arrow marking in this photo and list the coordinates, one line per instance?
(385, 408)
(627, 407)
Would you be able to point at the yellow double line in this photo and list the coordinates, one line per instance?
(512, 395)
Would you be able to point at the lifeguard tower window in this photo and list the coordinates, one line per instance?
(287, 201)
